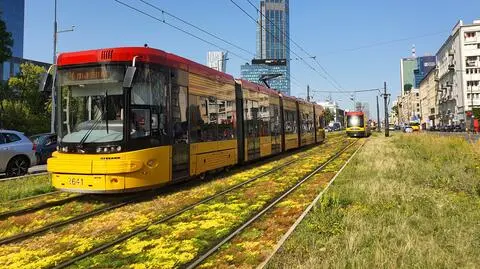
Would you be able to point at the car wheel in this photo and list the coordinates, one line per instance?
(17, 166)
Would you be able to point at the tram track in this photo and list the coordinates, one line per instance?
(79, 218)
(39, 206)
(171, 216)
(83, 216)
(199, 259)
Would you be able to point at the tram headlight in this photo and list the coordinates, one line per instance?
(109, 149)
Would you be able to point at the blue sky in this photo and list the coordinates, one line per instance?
(330, 30)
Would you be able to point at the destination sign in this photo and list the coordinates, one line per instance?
(87, 74)
(91, 75)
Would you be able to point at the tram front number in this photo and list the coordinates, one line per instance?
(75, 181)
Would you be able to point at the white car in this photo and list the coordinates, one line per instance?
(16, 153)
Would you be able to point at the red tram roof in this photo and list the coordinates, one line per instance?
(355, 113)
(145, 55)
(257, 87)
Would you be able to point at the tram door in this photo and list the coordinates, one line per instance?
(253, 129)
(180, 146)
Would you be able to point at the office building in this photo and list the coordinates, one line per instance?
(13, 14)
(254, 72)
(273, 43)
(217, 60)
(458, 61)
(428, 99)
(424, 65)
(407, 76)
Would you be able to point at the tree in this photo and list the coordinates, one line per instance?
(6, 42)
(395, 110)
(329, 117)
(25, 108)
(25, 85)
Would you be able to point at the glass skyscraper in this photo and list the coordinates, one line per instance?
(273, 43)
(13, 14)
(253, 72)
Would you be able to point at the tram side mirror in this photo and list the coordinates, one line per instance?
(46, 83)
(129, 75)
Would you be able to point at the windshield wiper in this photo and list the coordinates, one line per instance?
(90, 130)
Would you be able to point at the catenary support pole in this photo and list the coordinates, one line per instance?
(52, 120)
(385, 98)
(378, 116)
(308, 93)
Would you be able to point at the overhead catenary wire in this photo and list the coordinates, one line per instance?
(275, 37)
(196, 27)
(332, 82)
(284, 33)
(181, 30)
(388, 42)
(164, 12)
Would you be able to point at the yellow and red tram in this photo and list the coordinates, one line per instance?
(357, 124)
(138, 118)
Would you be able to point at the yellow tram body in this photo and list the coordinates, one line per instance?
(115, 139)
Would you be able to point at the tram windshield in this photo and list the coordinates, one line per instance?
(355, 121)
(91, 104)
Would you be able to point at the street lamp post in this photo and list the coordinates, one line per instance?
(55, 33)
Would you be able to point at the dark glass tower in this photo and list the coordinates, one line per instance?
(273, 43)
(13, 13)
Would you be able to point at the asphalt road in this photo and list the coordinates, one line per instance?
(32, 170)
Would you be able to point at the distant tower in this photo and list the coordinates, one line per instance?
(217, 60)
(414, 51)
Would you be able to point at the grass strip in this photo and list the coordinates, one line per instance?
(53, 247)
(25, 187)
(177, 241)
(249, 248)
(409, 201)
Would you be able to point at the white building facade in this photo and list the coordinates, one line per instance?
(217, 60)
(458, 62)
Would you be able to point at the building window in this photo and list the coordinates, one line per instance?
(16, 69)
(6, 70)
(470, 34)
(416, 94)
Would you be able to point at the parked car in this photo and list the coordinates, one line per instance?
(44, 145)
(16, 153)
(408, 129)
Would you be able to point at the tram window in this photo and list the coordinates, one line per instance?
(179, 114)
(274, 120)
(203, 118)
(251, 115)
(226, 118)
(264, 121)
(290, 122)
(149, 104)
(140, 123)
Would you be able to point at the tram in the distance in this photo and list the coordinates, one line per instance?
(357, 124)
(137, 118)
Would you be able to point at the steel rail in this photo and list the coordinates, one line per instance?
(24, 176)
(306, 211)
(124, 237)
(8, 214)
(212, 250)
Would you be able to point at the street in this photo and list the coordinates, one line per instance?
(32, 170)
